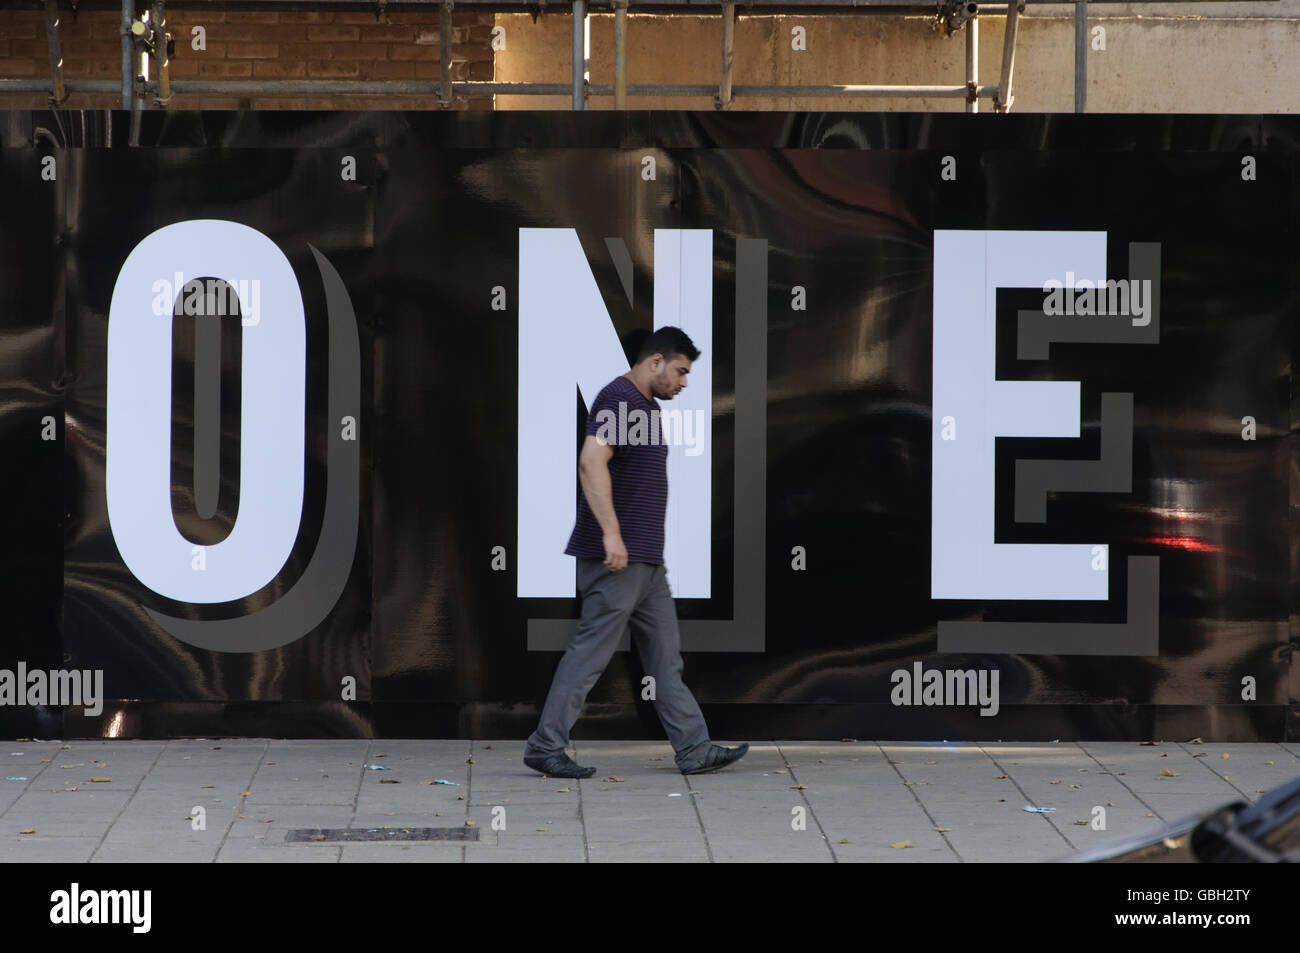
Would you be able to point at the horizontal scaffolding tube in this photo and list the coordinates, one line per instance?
(389, 88)
(954, 92)
(72, 86)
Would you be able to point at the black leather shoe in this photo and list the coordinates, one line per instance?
(559, 766)
(714, 758)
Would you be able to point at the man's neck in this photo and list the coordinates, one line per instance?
(643, 388)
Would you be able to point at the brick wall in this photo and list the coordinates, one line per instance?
(255, 46)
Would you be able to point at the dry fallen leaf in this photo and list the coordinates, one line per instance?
(1196, 741)
(932, 762)
(901, 844)
(265, 820)
(1000, 777)
(469, 823)
(469, 760)
(101, 779)
(1224, 755)
(1166, 773)
(845, 741)
(614, 777)
(389, 781)
(426, 782)
(941, 830)
(1081, 823)
(562, 790)
(1110, 803)
(1057, 781)
(1268, 762)
(317, 836)
(1200, 755)
(798, 787)
(245, 793)
(1149, 814)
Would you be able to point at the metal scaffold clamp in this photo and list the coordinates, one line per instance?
(951, 15)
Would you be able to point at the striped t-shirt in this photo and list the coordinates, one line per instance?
(638, 475)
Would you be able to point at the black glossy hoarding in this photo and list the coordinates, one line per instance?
(901, 450)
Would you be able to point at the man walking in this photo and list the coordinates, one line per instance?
(618, 539)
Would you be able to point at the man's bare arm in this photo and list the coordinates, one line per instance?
(593, 472)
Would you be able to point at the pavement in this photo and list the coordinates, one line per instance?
(238, 800)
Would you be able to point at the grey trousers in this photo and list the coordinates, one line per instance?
(637, 595)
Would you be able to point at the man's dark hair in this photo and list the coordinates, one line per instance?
(669, 342)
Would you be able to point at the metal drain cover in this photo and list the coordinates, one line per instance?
(383, 834)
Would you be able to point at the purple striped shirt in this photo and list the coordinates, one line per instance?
(638, 474)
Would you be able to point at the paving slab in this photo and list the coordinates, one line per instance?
(857, 802)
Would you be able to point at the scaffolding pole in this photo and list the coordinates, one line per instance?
(445, 93)
(128, 54)
(329, 87)
(972, 63)
(1080, 55)
(620, 54)
(579, 54)
(1005, 98)
(723, 99)
(158, 20)
(59, 92)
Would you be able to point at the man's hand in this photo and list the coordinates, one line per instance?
(615, 552)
